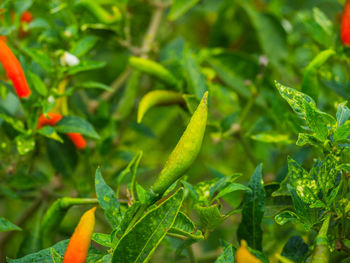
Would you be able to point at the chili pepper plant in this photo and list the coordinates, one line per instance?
(174, 131)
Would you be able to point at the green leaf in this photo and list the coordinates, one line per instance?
(253, 211)
(271, 34)
(102, 239)
(307, 216)
(343, 114)
(232, 187)
(16, 124)
(180, 7)
(95, 85)
(39, 56)
(184, 226)
(42, 256)
(286, 217)
(84, 45)
(140, 242)
(38, 84)
(85, 66)
(209, 216)
(228, 256)
(25, 144)
(342, 132)
(6, 225)
(295, 249)
(76, 124)
(50, 132)
(309, 84)
(316, 122)
(304, 139)
(127, 101)
(107, 200)
(195, 79)
(303, 182)
(295, 99)
(233, 69)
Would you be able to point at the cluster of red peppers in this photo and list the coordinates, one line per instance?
(16, 74)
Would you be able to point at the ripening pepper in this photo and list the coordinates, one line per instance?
(79, 243)
(14, 70)
(244, 256)
(345, 24)
(52, 118)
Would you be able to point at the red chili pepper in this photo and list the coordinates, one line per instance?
(26, 18)
(79, 243)
(14, 70)
(345, 24)
(77, 139)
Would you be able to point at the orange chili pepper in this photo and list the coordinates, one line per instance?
(52, 118)
(345, 24)
(14, 70)
(244, 256)
(79, 243)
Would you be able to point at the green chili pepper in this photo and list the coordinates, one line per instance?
(154, 69)
(186, 149)
(321, 250)
(126, 103)
(158, 98)
(101, 14)
(55, 214)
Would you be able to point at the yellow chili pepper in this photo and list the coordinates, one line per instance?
(244, 256)
(79, 243)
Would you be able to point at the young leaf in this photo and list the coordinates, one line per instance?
(228, 256)
(84, 45)
(180, 7)
(209, 216)
(140, 242)
(6, 225)
(232, 187)
(343, 114)
(184, 226)
(76, 124)
(107, 200)
(253, 211)
(295, 99)
(316, 122)
(195, 79)
(309, 84)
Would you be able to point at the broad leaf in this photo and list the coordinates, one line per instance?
(76, 124)
(253, 211)
(140, 242)
(107, 200)
(180, 7)
(6, 225)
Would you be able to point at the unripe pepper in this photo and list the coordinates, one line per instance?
(79, 243)
(158, 98)
(14, 70)
(244, 256)
(154, 69)
(52, 118)
(345, 24)
(186, 150)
